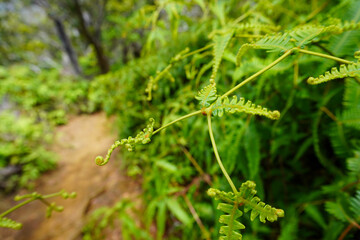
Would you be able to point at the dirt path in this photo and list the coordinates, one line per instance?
(78, 143)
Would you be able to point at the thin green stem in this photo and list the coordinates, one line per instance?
(177, 120)
(286, 54)
(218, 156)
(16, 207)
(33, 198)
(324, 56)
(197, 51)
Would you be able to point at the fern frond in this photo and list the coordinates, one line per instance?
(346, 70)
(231, 203)
(207, 95)
(143, 137)
(353, 165)
(257, 207)
(349, 26)
(230, 222)
(279, 42)
(355, 204)
(351, 117)
(220, 43)
(224, 105)
(352, 94)
(336, 210)
(9, 223)
(306, 34)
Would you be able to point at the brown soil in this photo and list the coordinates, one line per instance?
(77, 144)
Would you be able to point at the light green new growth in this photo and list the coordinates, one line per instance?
(278, 42)
(224, 105)
(350, 70)
(245, 197)
(220, 43)
(143, 137)
(207, 95)
(9, 223)
(299, 38)
(258, 27)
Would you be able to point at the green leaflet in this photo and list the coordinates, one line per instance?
(220, 43)
(346, 70)
(224, 105)
(143, 137)
(278, 42)
(9, 223)
(207, 95)
(231, 203)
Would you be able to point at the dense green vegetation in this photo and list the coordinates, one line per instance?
(168, 59)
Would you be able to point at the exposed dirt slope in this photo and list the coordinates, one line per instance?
(78, 143)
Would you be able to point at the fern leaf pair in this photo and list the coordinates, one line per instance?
(207, 96)
(345, 70)
(143, 137)
(245, 197)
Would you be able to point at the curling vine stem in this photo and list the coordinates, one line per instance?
(218, 156)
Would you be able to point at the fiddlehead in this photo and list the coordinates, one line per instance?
(143, 137)
(245, 197)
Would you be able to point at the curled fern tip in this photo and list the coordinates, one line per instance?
(99, 160)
